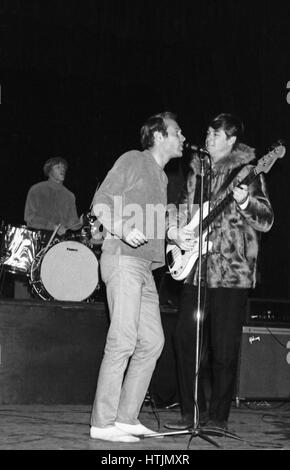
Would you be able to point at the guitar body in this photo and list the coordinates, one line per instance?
(181, 262)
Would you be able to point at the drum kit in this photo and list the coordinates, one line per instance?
(63, 268)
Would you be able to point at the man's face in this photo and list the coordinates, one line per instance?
(218, 143)
(173, 142)
(57, 173)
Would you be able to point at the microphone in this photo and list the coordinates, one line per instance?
(196, 148)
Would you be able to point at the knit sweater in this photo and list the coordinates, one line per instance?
(49, 204)
(127, 199)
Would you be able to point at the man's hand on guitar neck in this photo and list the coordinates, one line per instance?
(182, 237)
(241, 195)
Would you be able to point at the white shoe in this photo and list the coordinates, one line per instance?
(112, 433)
(135, 429)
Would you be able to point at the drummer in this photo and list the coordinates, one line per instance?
(49, 204)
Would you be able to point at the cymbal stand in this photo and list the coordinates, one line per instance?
(3, 256)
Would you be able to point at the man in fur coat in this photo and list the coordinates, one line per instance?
(228, 270)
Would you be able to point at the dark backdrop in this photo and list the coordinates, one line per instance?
(78, 78)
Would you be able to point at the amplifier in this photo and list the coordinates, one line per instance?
(264, 365)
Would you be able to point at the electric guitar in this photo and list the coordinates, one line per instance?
(181, 262)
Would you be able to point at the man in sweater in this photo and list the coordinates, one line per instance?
(50, 204)
(131, 205)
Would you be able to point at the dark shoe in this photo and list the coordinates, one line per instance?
(179, 425)
(187, 422)
(212, 423)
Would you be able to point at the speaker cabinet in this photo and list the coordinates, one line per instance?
(50, 352)
(264, 368)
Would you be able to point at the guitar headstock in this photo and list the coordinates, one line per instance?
(265, 163)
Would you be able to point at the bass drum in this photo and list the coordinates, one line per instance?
(68, 270)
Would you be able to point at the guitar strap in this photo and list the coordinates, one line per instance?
(223, 187)
(228, 181)
(189, 278)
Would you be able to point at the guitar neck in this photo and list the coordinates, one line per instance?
(207, 221)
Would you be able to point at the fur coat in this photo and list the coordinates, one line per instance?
(232, 261)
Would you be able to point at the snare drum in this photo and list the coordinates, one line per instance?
(20, 248)
(68, 270)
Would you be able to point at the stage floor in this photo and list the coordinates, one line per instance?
(252, 426)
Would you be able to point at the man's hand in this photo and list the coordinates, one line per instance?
(183, 238)
(135, 238)
(61, 230)
(240, 194)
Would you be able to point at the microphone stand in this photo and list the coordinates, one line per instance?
(196, 431)
(198, 317)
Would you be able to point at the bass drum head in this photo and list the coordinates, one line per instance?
(69, 271)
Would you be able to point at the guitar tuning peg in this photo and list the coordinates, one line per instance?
(274, 147)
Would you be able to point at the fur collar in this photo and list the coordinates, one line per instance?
(240, 155)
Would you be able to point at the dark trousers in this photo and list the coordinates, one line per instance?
(224, 313)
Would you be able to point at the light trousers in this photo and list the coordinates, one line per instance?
(134, 342)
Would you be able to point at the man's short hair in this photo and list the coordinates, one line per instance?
(53, 161)
(231, 124)
(153, 124)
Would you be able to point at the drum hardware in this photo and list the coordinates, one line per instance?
(4, 255)
(92, 231)
(97, 233)
(91, 218)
